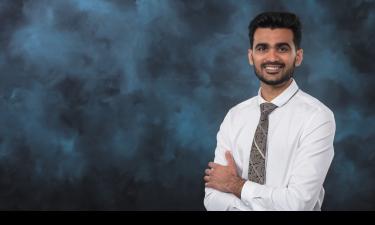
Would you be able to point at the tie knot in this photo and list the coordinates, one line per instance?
(267, 108)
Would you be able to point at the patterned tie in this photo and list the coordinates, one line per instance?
(257, 167)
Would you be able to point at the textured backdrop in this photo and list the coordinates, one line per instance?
(112, 104)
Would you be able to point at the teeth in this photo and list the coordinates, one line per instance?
(273, 67)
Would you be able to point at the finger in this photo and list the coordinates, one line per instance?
(208, 171)
(229, 158)
(212, 164)
(206, 178)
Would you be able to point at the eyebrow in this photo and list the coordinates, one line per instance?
(277, 44)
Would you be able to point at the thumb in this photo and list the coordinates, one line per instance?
(229, 158)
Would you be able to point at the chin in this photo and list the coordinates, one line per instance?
(272, 78)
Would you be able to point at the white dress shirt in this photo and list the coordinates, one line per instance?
(299, 153)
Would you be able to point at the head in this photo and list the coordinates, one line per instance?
(275, 40)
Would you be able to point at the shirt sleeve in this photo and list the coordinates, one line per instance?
(215, 200)
(313, 158)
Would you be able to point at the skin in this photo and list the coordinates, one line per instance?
(271, 47)
(274, 46)
(224, 178)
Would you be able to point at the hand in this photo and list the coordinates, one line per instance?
(224, 178)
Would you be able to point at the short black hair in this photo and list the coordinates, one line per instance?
(277, 20)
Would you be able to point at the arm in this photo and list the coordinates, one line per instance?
(309, 170)
(215, 199)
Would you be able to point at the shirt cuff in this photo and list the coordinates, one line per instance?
(251, 191)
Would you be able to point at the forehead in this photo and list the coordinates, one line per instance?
(273, 36)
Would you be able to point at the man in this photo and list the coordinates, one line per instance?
(274, 150)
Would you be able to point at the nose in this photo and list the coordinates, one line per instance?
(272, 55)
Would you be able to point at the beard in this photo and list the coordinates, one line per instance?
(285, 76)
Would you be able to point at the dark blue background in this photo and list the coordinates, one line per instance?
(116, 104)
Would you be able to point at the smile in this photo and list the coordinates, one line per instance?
(273, 68)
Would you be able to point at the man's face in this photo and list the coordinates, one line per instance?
(274, 55)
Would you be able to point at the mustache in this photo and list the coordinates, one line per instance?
(272, 64)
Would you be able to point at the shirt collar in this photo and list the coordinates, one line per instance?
(282, 98)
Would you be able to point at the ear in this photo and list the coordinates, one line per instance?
(250, 56)
(299, 57)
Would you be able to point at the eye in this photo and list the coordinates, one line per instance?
(283, 48)
(260, 48)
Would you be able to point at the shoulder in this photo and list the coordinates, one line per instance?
(243, 107)
(311, 106)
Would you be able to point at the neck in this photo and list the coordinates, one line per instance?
(269, 92)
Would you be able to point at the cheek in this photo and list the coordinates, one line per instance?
(289, 61)
(257, 61)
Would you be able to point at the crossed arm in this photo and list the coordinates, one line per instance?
(226, 190)
(224, 178)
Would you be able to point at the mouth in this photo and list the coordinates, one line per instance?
(273, 68)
